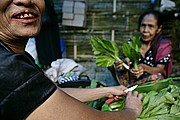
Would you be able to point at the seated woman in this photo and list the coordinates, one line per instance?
(155, 62)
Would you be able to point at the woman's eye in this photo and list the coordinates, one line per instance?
(143, 25)
(150, 26)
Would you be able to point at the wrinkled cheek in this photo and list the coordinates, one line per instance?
(4, 28)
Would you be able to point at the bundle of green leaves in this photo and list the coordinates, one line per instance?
(106, 52)
(163, 105)
(132, 50)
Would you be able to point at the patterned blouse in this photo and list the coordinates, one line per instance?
(149, 60)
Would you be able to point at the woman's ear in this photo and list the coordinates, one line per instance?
(159, 29)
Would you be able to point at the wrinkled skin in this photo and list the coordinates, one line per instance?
(20, 19)
(129, 104)
(149, 28)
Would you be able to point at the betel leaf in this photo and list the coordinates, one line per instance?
(105, 51)
(104, 61)
(105, 47)
(175, 109)
(132, 50)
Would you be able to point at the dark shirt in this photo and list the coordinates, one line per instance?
(23, 86)
(149, 60)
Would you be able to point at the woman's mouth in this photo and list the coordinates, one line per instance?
(144, 36)
(25, 17)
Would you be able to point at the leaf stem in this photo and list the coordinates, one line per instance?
(124, 64)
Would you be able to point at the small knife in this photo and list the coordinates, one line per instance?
(130, 89)
(108, 101)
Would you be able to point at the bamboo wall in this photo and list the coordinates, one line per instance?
(105, 18)
(101, 21)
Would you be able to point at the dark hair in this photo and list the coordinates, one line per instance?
(155, 13)
(158, 17)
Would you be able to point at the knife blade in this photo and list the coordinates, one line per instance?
(108, 101)
(131, 88)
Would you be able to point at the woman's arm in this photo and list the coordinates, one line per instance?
(90, 94)
(143, 68)
(153, 70)
(61, 106)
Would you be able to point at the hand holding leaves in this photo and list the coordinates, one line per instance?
(132, 50)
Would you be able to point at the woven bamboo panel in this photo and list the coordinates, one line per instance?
(100, 21)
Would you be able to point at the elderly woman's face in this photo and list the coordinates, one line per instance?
(20, 18)
(149, 27)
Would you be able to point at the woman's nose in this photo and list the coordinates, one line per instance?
(23, 2)
(145, 28)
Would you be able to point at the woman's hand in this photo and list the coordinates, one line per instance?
(117, 92)
(133, 103)
(138, 72)
(119, 64)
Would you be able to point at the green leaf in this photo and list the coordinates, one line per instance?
(175, 109)
(105, 51)
(103, 46)
(164, 117)
(106, 107)
(132, 50)
(104, 61)
(162, 111)
(117, 105)
(93, 84)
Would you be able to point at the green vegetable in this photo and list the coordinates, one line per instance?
(106, 52)
(159, 85)
(162, 104)
(106, 107)
(175, 109)
(161, 117)
(132, 50)
(147, 97)
(114, 106)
